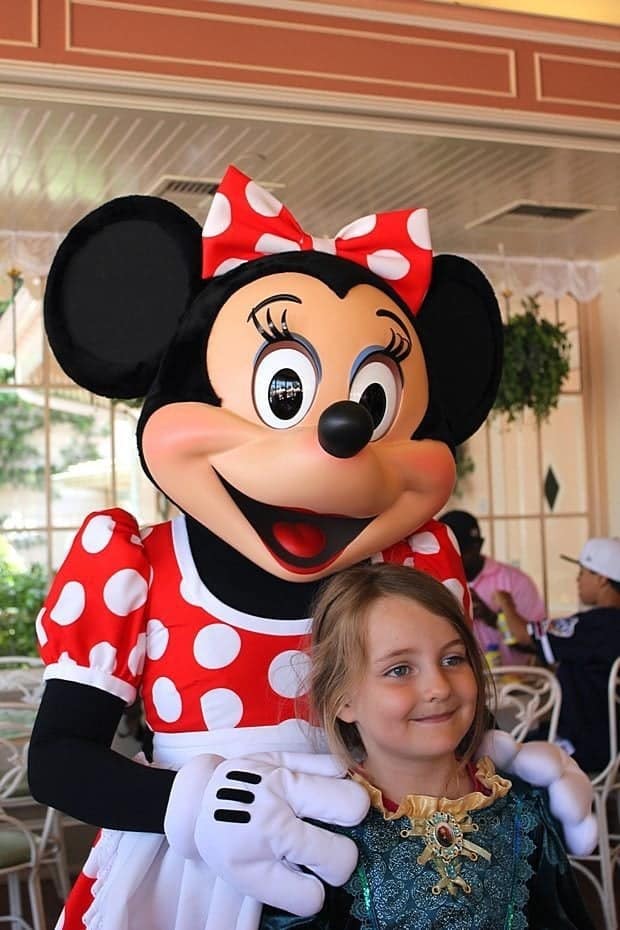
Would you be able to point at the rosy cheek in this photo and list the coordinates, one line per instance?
(427, 465)
(192, 430)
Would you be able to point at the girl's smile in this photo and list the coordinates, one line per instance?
(415, 697)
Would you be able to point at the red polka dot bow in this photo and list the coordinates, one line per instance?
(246, 222)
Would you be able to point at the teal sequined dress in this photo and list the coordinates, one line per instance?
(483, 862)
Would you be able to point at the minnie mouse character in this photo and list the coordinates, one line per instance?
(302, 408)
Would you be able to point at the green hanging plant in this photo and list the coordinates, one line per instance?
(536, 363)
(465, 465)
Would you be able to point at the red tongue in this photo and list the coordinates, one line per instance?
(299, 539)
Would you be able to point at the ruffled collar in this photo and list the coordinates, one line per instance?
(422, 806)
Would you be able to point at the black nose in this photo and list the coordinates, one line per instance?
(345, 428)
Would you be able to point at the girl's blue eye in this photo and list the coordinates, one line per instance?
(399, 671)
(456, 659)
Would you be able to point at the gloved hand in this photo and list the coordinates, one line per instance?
(242, 817)
(547, 765)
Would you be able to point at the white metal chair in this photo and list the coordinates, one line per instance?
(606, 785)
(523, 697)
(21, 679)
(26, 826)
(20, 854)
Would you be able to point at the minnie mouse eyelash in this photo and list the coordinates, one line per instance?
(273, 334)
(399, 347)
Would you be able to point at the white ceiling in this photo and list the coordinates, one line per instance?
(58, 161)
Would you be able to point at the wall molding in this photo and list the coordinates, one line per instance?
(131, 90)
(551, 31)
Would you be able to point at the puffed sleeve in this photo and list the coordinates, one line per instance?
(433, 549)
(91, 629)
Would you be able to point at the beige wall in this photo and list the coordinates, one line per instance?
(610, 327)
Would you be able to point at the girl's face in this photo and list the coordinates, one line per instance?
(416, 696)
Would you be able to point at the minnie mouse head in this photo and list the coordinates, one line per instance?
(303, 405)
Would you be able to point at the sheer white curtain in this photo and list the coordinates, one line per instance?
(31, 254)
(553, 277)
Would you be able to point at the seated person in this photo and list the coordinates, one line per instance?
(585, 647)
(496, 588)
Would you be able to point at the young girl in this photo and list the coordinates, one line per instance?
(398, 685)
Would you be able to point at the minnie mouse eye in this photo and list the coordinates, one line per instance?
(285, 382)
(376, 385)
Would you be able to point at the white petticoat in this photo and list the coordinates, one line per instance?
(140, 882)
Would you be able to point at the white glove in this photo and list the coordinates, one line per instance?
(243, 819)
(547, 765)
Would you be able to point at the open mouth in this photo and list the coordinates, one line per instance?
(300, 540)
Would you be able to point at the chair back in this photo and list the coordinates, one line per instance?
(608, 776)
(606, 786)
(613, 700)
(16, 722)
(525, 696)
(21, 679)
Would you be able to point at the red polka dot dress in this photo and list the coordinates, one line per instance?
(128, 613)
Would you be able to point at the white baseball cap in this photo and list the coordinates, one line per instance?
(600, 555)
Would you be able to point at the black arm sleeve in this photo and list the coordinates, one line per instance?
(71, 766)
(334, 915)
(555, 902)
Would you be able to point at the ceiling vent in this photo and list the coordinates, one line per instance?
(194, 195)
(526, 214)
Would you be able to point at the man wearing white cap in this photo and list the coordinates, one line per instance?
(586, 646)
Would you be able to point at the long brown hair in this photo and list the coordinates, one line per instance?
(338, 649)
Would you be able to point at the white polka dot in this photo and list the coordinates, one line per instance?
(270, 244)
(221, 708)
(70, 604)
(324, 245)
(38, 625)
(261, 200)
(167, 700)
(219, 216)
(136, 540)
(216, 646)
(425, 543)
(388, 264)
(98, 533)
(103, 656)
(137, 654)
(157, 637)
(453, 539)
(454, 585)
(377, 558)
(288, 673)
(124, 591)
(418, 229)
(409, 562)
(65, 659)
(228, 264)
(359, 227)
(145, 531)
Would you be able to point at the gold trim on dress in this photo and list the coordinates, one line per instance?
(443, 824)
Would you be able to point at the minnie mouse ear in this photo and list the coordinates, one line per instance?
(460, 327)
(116, 290)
